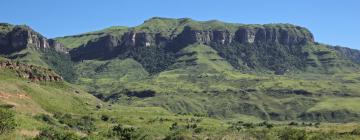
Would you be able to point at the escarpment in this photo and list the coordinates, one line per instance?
(184, 33)
(16, 38)
(31, 72)
(103, 47)
(351, 54)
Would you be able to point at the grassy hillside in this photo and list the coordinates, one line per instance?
(79, 40)
(202, 82)
(62, 110)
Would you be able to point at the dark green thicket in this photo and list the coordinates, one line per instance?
(260, 56)
(61, 63)
(83, 123)
(122, 132)
(46, 118)
(153, 59)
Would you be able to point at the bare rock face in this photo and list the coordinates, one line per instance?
(190, 36)
(31, 72)
(352, 54)
(16, 38)
(245, 35)
(222, 37)
(141, 39)
(57, 46)
(273, 34)
(102, 47)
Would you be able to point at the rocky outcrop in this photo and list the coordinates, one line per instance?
(352, 54)
(139, 39)
(16, 38)
(190, 36)
(292, 35)
(31, 72)
(57, 46)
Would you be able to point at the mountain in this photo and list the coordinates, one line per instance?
(205, 59)
(272, 47)
(169, 78)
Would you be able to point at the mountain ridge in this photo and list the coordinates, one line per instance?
(291, 47)
(170, 35)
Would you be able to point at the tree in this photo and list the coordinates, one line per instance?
(7, 120)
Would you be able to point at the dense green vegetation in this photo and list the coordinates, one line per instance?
(153, 59)
(61, 63)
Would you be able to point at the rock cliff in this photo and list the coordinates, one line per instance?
(351, 54)
(15, 38)
(185, 33)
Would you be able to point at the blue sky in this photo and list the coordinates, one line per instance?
(334, 22)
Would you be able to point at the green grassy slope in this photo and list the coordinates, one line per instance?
(31, 100)
(201, 82)
(62, 105)
(78, 40)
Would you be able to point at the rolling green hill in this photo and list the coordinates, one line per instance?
(62, 110)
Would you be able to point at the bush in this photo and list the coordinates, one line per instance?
(56, 134)
(105, 118)
(7, 121)
(46, 118)
(356, 131)
(292, 134)
(293, 123)
(85, 123)
(125, 133)
(174, 126)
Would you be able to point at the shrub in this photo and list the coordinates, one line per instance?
(292, 134)
(293, 123)
(46, 118)
(105, 118)
(174, 126)
(125, 133)
(56, 134)
(198, 130)
(248, 125)
(7, 120)
(356, 131)
(85, 123)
